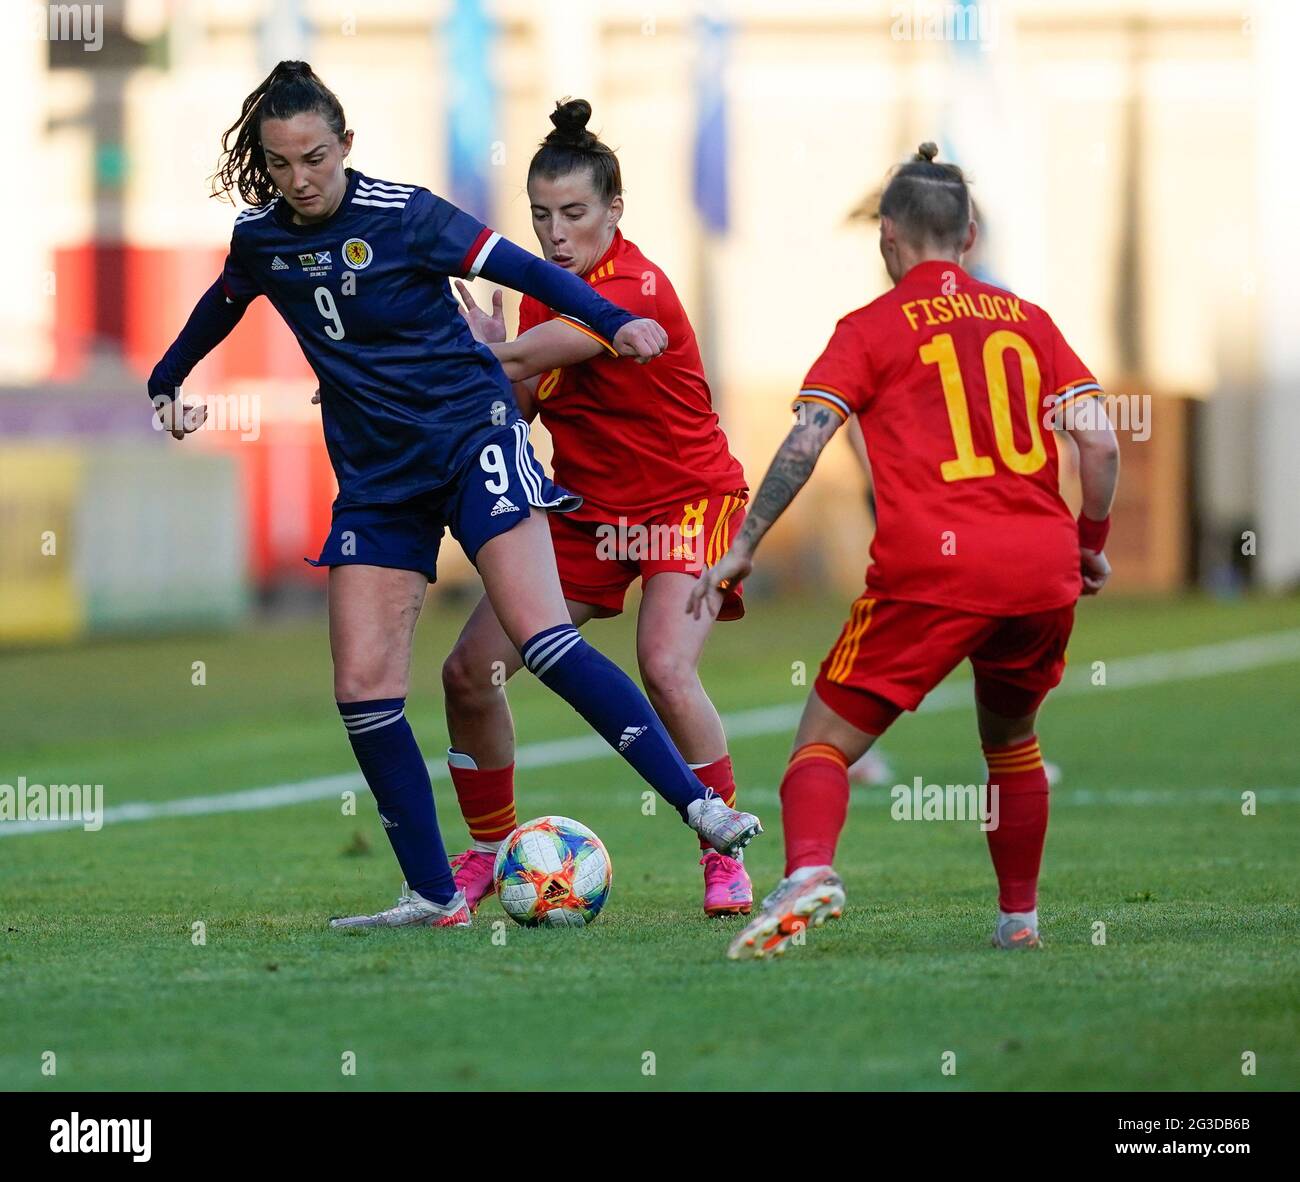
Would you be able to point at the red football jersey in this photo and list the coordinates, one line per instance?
(955, 382)
(633, 438)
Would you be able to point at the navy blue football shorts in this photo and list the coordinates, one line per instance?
(494, 491)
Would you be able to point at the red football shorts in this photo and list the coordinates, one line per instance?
(892, 653)
(599, 560)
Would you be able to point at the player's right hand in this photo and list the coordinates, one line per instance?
(179, 418)
(729, 570)
(487, 330)
(1095, 569)
(642, 339)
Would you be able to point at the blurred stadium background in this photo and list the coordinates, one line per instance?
(1135, 166)
(1131, 160)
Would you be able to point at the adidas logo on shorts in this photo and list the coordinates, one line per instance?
(504, 505)
(630, 734)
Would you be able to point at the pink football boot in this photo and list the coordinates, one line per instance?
(459, 918)
(727, 889)
(473, 871)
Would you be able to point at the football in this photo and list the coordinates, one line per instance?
(554, 872)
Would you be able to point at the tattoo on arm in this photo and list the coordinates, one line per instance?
(789, 472)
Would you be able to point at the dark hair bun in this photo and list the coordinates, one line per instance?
(571, 148)
(287, 69)
(570, 118)
(927, 151)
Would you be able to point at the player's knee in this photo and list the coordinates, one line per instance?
(1005, 714)
(669, 680)
(366, 681)
(464, 678)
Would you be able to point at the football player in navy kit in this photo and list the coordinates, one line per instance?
(424, 434)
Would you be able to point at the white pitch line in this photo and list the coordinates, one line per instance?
(1069, 797)
(1122, 673)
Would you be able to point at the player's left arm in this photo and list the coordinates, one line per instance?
(1078, 410)
(789, 471)
(213, 319)
(565, 340)
(626, 333)
(548, 346)
(1094, 436)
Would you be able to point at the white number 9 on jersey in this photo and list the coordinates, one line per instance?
(325, 304)
(492, 460)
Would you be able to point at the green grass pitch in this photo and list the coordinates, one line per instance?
(1148, 837)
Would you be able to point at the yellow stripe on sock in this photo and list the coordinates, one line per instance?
(818, 751)
(495, 813)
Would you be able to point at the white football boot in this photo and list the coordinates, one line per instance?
(808, 898)
(726, 829)
(412, 908)
(1017, 929)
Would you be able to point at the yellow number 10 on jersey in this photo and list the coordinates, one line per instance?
(968, 465)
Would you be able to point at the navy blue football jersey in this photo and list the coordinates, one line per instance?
(405, 389)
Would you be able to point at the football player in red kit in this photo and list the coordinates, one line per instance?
(957, 386)
(662, 498)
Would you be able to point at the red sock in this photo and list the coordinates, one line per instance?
(814, 803)
(719, 776)
(487, 801)
(1016, 845)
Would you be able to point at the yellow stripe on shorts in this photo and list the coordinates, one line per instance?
(846, 651)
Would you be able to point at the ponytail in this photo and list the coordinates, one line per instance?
(292, 88)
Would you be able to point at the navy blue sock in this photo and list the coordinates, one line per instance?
(609, 700)
(391, 762)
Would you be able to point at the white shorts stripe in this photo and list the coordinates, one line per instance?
(482, 255)
(531, 474)
(519, 463)
(527, 473)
